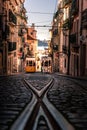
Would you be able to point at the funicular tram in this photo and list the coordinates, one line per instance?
(30, 64)
(46, 64)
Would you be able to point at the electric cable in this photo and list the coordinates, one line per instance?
(41, 13)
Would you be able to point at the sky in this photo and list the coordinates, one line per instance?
(40, 12)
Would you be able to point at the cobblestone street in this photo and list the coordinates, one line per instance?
(68, 96)
(70, 99)
(13, 98)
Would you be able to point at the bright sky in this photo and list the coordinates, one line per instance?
(41, 13)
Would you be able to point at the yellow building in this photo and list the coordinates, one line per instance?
(32, 40)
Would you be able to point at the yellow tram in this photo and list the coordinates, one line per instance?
(30, 64)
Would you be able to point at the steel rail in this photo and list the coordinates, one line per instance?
(40, 106)
(41, 109)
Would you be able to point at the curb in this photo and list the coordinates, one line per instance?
(73, 77)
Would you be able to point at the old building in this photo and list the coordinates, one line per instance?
(32, 40)
(74, 39)
(13, 18)
(22, 36)
(83, 37)
(1, 29)
(54, 42)
(71, 25)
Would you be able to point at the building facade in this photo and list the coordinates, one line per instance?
(71, 23)
(32, 40)
(12, 18)
(83, 37)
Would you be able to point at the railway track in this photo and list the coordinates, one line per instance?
(14, 97)
(36, 102)
(69, 96)
(40, 114)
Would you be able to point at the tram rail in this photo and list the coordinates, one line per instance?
(41, 109)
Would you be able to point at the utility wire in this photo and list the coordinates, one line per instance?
(41, 13)
(42, 25)
(42, 22)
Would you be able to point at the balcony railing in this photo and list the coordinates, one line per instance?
(20, 33)
(21, 49)
(84, 19)
(64, 49)
(11, 46)
(66, 2)
(1, 22)
(56, 14)
(6, 32)
(12, 18)
(55, 47)
(66, 24)
(72, 38)
(75, 48)
(55, 32)
(74, 7)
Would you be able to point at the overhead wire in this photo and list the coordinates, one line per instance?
(40, 13)
(42, 22)
(46, 26)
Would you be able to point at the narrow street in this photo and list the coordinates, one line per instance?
(39, 101)
(43, 65)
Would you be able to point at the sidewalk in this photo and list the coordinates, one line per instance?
(73, 77)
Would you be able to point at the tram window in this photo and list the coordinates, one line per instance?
(33, 63)
(42, 64)
(49, 62)
(27, 63)
(46, 63)
(30, 63)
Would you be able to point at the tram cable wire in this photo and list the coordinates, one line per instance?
(40, 13)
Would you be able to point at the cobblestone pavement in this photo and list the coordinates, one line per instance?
(15, 95)
(38, 80)
(71, 100)
(69, 96)
(13, 98)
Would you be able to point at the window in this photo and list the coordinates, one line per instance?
(46, 63)
(65, 63)
(30, 63)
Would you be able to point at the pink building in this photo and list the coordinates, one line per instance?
(83, 37)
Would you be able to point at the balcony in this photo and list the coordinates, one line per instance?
(23, 39)
(55, 32)
(66, 2)
(12, 18)
(64, 49)
(21, 49)
(56, 14)
(66, 24)
(6, 32)
(24, 17)
(1, 22)
(20, 33)
(11, 46)
(75, 48)
(84, 19)
(74, 8)
(55, 47)
(73, 38)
